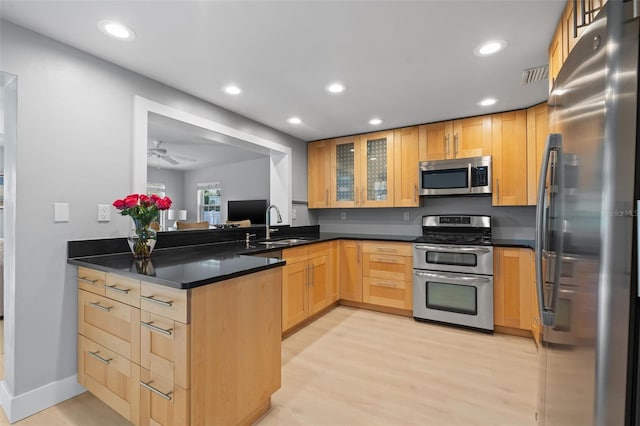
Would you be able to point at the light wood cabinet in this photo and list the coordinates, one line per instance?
(350, 270)
(512, 273)
(376, 169)
(509, 140)
(387, 270)
(467, 137)
(537, 132)
(308, 282)
(344, 172)
(160, 364)
(319, 173)
(406, 147)
(556, 54)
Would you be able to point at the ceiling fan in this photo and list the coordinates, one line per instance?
(162, 154)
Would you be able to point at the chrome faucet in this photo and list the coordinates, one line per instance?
(268, 219)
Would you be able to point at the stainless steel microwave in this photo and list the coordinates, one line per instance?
(456, 177)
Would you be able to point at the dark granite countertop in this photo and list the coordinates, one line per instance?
(514, 243)
(195, 265)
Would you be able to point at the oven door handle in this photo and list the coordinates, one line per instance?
(452, 277)
(453, 249)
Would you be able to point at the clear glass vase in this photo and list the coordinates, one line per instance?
(142, 239)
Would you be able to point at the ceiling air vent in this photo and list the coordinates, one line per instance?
(531, 75)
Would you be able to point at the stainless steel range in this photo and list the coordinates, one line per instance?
(453, 271)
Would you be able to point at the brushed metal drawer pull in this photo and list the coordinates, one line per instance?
(147, 385)
(384, 260)
(168, 303)
(87, 280)
(386, 250)
(385, 284)
(117, 290)
(99, 358)
(99, 306)
(150, 326)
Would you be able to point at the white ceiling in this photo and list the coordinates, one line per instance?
(407, 62)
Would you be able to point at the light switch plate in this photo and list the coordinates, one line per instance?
(61, 212)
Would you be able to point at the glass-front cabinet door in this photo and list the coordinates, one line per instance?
(344, 172)
(376, 161)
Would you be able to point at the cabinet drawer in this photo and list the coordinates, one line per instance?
(110, 377)
(165, 301)
(319, 249)
(296, 254)
(162, 403)
(126, 290)
(164, 348)
(392, 293)
(401, 249)
(91, 280)
(387, 266)
(110, 323)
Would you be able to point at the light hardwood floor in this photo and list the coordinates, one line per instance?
(357, 367)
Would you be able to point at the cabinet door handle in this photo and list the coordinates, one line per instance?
(415, 194)
(87, 280)
(99, 358)
(446, 145)
(385, 283)
(364, 199)
(356, 196)
(116, 289)
(147, 385)
(99, 306)
(386, 250)
(498, 189)
(358, 254)
(168, 303)
(455, 145)
(306, 275)
(150, 326)
(327, 203)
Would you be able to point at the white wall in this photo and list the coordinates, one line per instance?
(174, 184)
(75, 143)
(247, 180)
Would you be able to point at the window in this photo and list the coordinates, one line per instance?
(209, 202)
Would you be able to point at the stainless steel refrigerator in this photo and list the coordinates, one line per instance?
(586, 264)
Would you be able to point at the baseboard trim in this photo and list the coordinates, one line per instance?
(17, 407)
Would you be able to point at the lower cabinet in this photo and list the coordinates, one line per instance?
(308, 282)
(350, 270)
(512, 288)
(161, 363)
(387, 270)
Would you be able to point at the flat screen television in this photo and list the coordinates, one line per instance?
(254, 210)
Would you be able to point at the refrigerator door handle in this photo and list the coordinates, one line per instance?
(554, 142)
(638, 241)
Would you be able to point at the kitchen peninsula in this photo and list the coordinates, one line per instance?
(189, 337)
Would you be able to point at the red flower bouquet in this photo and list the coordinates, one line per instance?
(143, 210)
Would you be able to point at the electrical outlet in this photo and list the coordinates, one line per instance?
(405, 216)
(104, 214)
(343, 215)
(293, 214)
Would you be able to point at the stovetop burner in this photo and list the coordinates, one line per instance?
(456, 229)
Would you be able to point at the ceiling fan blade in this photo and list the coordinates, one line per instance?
(180, 157)
(168, 159)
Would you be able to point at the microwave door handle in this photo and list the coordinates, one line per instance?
(469, 176)
(554, 141)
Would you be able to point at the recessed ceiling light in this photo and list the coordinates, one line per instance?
(488, 102)
(335, 88)
(232, 90)
(116, 30)
(294, 120)
(490, 47)
(375, 121)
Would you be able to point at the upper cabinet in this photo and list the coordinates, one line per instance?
(468, 137)
(567, 33)
(537, 131)
(376, 170)
(509, 140)
(319, 173)
(344, 172)
(406, 146)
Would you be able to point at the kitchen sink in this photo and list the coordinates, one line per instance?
(284, 242)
